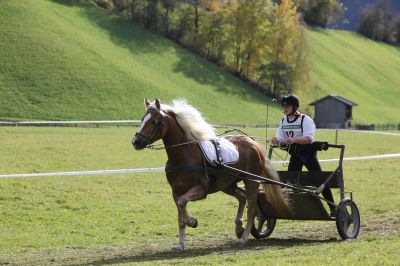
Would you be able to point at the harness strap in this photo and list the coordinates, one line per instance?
(217, 152)
(184, 168)
(198, 169)
(205, 167)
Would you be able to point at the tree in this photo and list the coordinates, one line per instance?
(169, 6)
(372, 24)
(182, 23)
(379, 23)
(319, 12)
(287, 60)
(247, 24)
(119, 6)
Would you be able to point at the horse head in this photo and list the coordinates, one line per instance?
(151, 129)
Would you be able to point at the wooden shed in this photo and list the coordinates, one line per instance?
(333, 111)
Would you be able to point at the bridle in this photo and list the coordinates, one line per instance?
(157, 128)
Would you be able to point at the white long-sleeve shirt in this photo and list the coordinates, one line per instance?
(301, 126)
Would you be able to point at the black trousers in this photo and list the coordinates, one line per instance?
(312, 164)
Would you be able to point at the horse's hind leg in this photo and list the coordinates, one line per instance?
(251, 195)
(240, 195)
(195, 193)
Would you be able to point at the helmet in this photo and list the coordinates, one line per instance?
(290, 99)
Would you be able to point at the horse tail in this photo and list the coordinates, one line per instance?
(274, 193)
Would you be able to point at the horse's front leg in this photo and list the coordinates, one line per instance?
(182, 226)
(195, 193)
(251, 195)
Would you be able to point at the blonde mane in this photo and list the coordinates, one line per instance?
(190, 120)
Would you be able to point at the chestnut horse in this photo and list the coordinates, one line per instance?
(180, 127)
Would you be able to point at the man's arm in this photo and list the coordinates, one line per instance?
(300, 140)
(280, 135)
(308, 133)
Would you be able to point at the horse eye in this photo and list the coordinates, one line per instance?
(153, 122)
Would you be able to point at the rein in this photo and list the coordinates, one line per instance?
(161, 147)
(283, 145)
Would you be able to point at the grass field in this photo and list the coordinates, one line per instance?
(131, 218)
(60, 60)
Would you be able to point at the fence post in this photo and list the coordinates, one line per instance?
(336, 136)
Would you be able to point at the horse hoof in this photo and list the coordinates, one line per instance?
(193, 223)
(239, 232)
(177, 249)
(242, 243)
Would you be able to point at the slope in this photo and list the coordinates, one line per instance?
(361, 70)
(63, 60)
(73, 61)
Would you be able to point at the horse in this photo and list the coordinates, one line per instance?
(181, 127)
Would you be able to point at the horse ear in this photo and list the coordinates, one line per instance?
(146, 103)
(158, 105)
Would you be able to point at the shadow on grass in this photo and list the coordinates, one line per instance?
(139, 40)
(216, 249)
(122, 32)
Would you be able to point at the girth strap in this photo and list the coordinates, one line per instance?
(191, 169)
(184, 168)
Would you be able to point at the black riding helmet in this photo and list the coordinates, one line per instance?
(290, 99)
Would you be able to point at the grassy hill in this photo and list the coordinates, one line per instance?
(364, 71)
(67, 61)
(63, 61)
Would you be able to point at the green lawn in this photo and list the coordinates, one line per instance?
(130, 218)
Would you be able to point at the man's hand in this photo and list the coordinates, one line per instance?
(275, 141)
(291, 140)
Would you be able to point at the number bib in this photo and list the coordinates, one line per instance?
(293, 129)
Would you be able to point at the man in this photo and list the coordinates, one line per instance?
(298, 130)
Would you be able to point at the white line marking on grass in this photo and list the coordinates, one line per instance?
(362, 158)
(363, 131)
(161, 169)
(96, 172)
(377, 132)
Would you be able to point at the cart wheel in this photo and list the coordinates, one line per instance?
(348, 219)
(263, 226)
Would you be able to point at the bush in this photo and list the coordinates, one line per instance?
(319, 12)
(380, 24)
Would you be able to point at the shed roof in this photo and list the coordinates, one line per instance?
(336, 97)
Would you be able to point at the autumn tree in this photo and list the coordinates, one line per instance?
(247, 25)
(287, 60)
